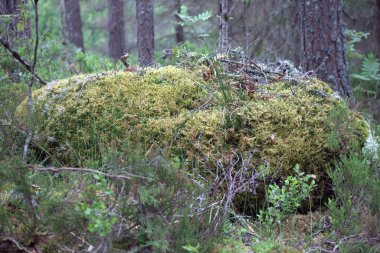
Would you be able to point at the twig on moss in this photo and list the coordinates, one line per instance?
(251, 65)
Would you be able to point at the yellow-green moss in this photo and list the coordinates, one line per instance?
(170, 108)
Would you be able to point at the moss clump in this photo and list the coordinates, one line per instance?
(283, 123)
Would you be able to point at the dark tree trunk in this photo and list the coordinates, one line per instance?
(223, 29)
(13, 7)
(323, 43)
(116, 24)
(179, 34)
(377, 27)
(145, 31)
(73, 23)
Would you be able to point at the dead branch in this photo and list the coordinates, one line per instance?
(30, 86)
(16, 243)
(17, 56)
(123, 175)
(252, 65)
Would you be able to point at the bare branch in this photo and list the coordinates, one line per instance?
(17, 56)
(123, 175)
(18, 245)
(30, 86)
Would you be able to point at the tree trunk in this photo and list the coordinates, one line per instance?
(377, 27)
(73, 23)
(324, 48)
(145, 31)
(179, 34)
(116, 25)
(223, 29)
(13, 7)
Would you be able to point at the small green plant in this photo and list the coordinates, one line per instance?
(100, 218)
(285, 200)
(191, 249)
(264, 246)
(353, 38)
(188, 20)
(356, 183)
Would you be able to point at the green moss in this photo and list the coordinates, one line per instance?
(169, 108)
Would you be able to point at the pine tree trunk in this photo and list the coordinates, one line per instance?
(13, 7)
(223, 29)
(73, 23)
(116, 25)
(323, 43)
(377, 27)
(179, 34)
(145, 32)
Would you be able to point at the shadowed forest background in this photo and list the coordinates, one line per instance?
(189, 126)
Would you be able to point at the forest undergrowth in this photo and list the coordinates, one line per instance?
(130, 199)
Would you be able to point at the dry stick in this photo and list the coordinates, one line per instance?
(30, 86)
(126, 175)
(18, 245)
(17, 56)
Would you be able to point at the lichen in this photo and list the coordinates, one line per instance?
(283, 123)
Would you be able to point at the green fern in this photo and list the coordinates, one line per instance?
(187, 19)
(370, 70)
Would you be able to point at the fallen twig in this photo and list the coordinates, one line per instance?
(125, 175)
(18, 245)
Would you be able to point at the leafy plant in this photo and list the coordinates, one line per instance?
(188, 20)
(100, 218)
(370, 69)
(353, 38)
(286, 199)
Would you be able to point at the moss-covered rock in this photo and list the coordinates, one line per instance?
(282, 123)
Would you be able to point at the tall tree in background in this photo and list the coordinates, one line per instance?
(14, 8)
(323, 43)
(73, 23)
(179, 34)
(116, 38)
(145, 31)
(224, 9)
(377, 27)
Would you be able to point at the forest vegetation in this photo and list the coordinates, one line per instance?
(189, 126)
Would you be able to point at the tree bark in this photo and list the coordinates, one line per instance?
(116, 25)
(377, 27)
(179, 34)
(223, 29)
(73, 23)
(145, 31)
(13, 7)
(324, 48)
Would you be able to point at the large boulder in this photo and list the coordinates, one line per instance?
(282, 123)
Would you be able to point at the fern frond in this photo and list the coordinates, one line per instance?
(371, 67)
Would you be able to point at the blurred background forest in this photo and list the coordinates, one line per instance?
(82, 36)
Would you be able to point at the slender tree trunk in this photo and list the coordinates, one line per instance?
(116, 25)
(223, 29)
(324, 44)
(179, 34)
(145, 31)
(377, 27)
(246, 5)
(73, 23)
(13, 7)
